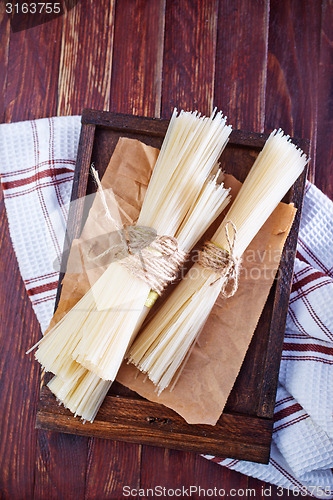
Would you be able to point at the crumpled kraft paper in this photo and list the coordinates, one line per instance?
(201, 392)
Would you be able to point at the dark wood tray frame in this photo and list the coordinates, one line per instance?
(244, 430)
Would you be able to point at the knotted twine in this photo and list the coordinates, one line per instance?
(155, 262)
(158, 263)
(223, 262)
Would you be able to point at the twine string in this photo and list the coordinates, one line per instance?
(153, 259)
(158, 263)
(223, 262)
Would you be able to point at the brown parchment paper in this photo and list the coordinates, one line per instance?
(125, 181)
(201, 392)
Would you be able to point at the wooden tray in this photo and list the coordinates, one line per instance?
(244, 430)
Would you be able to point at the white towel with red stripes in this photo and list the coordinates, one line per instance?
(37, 166)
(37, 162)
(302, 448)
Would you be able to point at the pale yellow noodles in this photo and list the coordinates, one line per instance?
(163, 345)
(182, 200)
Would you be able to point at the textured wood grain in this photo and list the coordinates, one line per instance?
(33, 58)
(141, 421)
(189, 55)
(84, 80)
(138, 56)
(282, 293)
(126, 419)
(33, 64)
(111, 465)
(61, 464)
(240, 77)
(135, 89)
(240, 81)
(80, 181)
(4, 49)
(292, 70)
(263, 356)
(19, 378)
(218, 476)
(324, 157)
(30, 92)
(174, 469)
(86, 57)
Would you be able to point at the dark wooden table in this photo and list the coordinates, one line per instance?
(265, 63)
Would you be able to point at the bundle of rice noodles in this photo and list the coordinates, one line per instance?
(81, 390)
(161, 348)
(182, 200)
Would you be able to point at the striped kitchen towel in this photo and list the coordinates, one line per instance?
(37, 167)
(302, 448)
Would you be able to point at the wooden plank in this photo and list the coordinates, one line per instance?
(240, 77)
(324, 157)
(84, 79)
(278, 322)
(157, 127)
(240, 81)
(60, 466)
(176, 470)
(292, 70)
(111, 466)
(10, 472)
(105, 428)
(135, 89)
(80, 181)
(141, 421)
(224, 479)
(29, 92)
(4, 50)
(113, 420)
(137, 58)
(33, 64)
(86, 57)
(189, 55)
(19, 378)
(179, 470)
(188, 82)
(172, 468)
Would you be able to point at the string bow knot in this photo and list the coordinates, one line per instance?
(223, 262)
